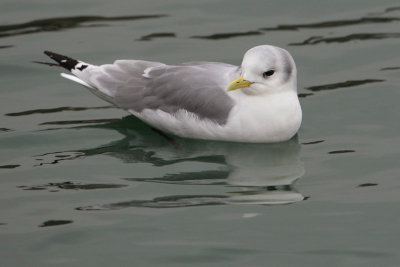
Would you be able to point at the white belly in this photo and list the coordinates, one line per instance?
(254, 119)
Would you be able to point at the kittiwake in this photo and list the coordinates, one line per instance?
(256, 102)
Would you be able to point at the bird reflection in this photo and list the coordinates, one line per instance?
(250, 173)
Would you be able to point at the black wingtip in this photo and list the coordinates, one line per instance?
(65, 62)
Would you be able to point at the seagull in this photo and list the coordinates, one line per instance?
(255, 102)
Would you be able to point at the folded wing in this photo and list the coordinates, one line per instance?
(197, 87)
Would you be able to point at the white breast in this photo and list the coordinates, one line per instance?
(254, 119)
(271, 118)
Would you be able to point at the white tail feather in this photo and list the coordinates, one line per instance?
(76, 79)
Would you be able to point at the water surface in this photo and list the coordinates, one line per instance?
(85, 184)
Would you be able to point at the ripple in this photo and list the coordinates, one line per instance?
(390, 68)
(55, 223)
(348, 38)
(53, 110)
(56, 157)
(78, 122)
(219, 36)
(341, 151)
(176, 201)
(152, 36)
(9, 166)
(193, 178)
(6, 46)
(339, 85)
(367, 185)
(57, 24)
(304, 95)
(332, 23)
(261, 174)
(5, 130)
(71, 186)
(391, 9)
(313, 142)
(272, 195)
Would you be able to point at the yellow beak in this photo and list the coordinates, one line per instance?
(238, 83)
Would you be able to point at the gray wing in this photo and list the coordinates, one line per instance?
(198, 87)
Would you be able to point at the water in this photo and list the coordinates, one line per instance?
(85, 184)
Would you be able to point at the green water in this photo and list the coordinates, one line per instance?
(85, 184)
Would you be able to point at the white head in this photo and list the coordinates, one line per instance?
(266, 69)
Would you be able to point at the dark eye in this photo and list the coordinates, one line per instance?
(268, 73)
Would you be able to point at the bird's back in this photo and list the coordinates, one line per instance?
(136, 85)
